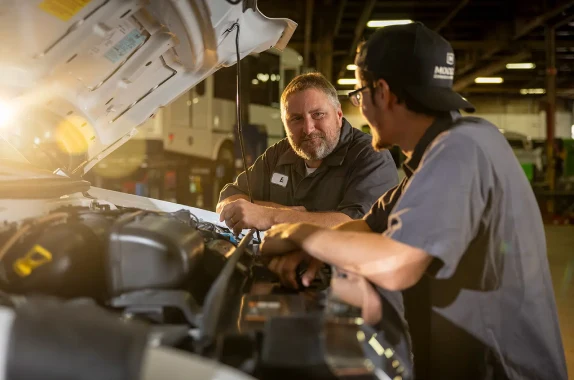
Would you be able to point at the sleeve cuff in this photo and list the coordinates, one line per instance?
(230, 190)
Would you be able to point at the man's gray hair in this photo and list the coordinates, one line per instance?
(305, 82)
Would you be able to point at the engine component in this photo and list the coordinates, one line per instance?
(215, 301)
(151, 251)
(153, 304)
(293, 348)
(56, 340)
(62, 259)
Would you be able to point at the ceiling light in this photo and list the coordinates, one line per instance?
(520, 66)
(352, 67)
(531, 91)
(483, 80)
(347, 81)
(383, 23)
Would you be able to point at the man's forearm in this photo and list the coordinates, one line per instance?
(385, 262)
(325, 219)
(354, 225)
(235, 197)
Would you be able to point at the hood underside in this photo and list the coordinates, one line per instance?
(78, 77)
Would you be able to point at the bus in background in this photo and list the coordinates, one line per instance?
(197, 131)
(202, 123)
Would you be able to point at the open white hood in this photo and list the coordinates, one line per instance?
(82, 75)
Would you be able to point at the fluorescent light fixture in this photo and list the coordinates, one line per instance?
(383, 23)
(483, 80)
(520, 66)
(347, 81)
(352, 67)
(531, 91)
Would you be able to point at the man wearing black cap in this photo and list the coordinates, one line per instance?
(461, 236)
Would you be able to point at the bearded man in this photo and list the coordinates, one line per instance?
(324, 172)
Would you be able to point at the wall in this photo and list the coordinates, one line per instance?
(520, 114)
(523, 114)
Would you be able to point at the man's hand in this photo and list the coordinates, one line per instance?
(285, 267)
(286, 238)
(357, 291)
(241, 214)
(285, 241)
(228, 200)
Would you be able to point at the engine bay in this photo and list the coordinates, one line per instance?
(196, 286)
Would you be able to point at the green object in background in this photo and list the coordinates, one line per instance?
(528, 170)
(569, 159)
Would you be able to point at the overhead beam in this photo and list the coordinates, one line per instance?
(490, 69)
(427, 4)
(563, 22)
(528, 44)
(475, 45)
(308, 30)
(339, 18)
(451, 15)
(496, 89)
(520, 32)
(359, 29)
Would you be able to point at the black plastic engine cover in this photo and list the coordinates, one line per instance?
(53, 340)
(64, 260)
(151, 251)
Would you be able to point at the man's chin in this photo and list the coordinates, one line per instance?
(311, 151)
(381, 145)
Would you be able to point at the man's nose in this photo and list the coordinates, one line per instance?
(309, 126)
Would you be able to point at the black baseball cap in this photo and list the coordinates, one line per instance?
(416, 59)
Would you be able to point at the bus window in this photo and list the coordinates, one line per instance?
(200, 88)
(289, 74)
(224, 86)
(264, 79)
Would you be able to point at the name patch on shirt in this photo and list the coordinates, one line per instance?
(279, 179)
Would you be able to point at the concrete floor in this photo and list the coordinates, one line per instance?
(560, 242)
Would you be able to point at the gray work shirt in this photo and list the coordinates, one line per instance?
(349, 180)
(486, 308)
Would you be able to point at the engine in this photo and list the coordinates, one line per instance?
(196, 288)
(112, 256)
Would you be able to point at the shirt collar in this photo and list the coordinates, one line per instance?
(336, 157)
(440, 125)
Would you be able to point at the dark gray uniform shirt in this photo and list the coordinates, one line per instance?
(349, 180)
(486, 308)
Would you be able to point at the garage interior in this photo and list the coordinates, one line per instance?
(514, 62)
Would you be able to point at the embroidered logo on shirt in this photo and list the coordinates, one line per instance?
(279, 179)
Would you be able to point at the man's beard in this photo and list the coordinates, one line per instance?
(378, 143)
(307, 149)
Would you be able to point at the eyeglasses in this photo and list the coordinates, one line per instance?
(356, 96)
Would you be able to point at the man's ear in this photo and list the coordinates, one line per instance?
(340, 114)
(384, 94)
